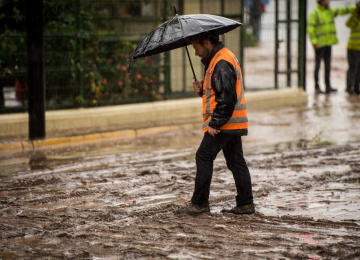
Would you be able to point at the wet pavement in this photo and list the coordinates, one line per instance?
(117, 200)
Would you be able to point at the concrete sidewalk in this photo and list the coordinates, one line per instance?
(128, 121)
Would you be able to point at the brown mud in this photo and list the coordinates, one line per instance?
(117, 200)
(60, 205)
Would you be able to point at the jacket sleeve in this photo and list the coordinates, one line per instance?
(311, 28)
(223, 82)
(343, 10)
(353, 21)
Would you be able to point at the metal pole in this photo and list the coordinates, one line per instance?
(79, 28)
(276, 43)
(242, 39)
(166, 60)
(222, 14)
(36, 68)
(288, 43)
(299, 42)
(302, 44)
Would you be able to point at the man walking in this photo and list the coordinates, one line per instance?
(353, 74)
(322, 32)
(224, 122)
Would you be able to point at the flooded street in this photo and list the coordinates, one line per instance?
(117, 200)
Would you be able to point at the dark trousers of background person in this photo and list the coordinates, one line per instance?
(255, 25)
(325, 54)
(353, 74)
(233, 152)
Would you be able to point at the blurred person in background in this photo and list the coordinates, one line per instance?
(256, 9)
(322, 32)
(353, 74)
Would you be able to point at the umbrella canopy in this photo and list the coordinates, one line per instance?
(173, 33)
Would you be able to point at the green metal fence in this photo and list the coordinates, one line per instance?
(87, 43)
(275, 58)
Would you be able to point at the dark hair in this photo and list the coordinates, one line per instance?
(212, 36)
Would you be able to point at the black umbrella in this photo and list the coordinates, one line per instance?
(174, 33)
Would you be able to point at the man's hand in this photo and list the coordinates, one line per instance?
(213, 131)
(315, 46)
(197, 87)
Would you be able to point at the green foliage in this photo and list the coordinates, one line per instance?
(250, 40)
(77, 58)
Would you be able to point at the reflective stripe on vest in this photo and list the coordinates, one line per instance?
(354, 24)
(325, 30)
(208, 79)
(238, 119)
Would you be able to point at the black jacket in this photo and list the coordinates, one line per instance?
(223, 82)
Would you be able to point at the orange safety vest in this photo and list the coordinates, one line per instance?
(238, 119)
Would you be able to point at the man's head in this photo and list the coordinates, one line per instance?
(204, 43)
(324, 3)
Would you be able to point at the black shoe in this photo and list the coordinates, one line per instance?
(319, 91)
(350, 91)
(245, 209)
(330, 89)
(195, 209)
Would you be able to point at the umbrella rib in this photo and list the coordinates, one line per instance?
(213, 17)
(165, 30)
(197, 22)
(182, 29)
(172, 32)
(147, 42)
(190, 25)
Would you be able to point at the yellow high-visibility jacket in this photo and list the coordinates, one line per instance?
(321, 25)
(354, 24)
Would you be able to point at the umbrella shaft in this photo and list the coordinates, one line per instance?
(190, 62)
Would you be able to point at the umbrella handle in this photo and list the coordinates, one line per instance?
(190, 62)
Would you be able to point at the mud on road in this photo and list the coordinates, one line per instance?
(74, 205)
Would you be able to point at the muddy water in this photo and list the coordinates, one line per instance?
(117, 201)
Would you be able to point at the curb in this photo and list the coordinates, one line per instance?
(85, 121)
(132, 120)
(28, 146)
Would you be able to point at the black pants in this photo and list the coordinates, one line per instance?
(353, 74)
(323, 53)
(233, 152)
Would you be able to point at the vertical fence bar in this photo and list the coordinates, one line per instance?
(166, 60)
(222, 3)
(302, 44)
(276, 43)
(36, 68)
(80, 47)
(300, 10)
(242, 39)
(288, 43)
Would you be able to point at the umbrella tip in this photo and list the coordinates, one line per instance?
(175, 10)
(130, 65)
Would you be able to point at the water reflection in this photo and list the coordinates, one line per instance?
(37, 160)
